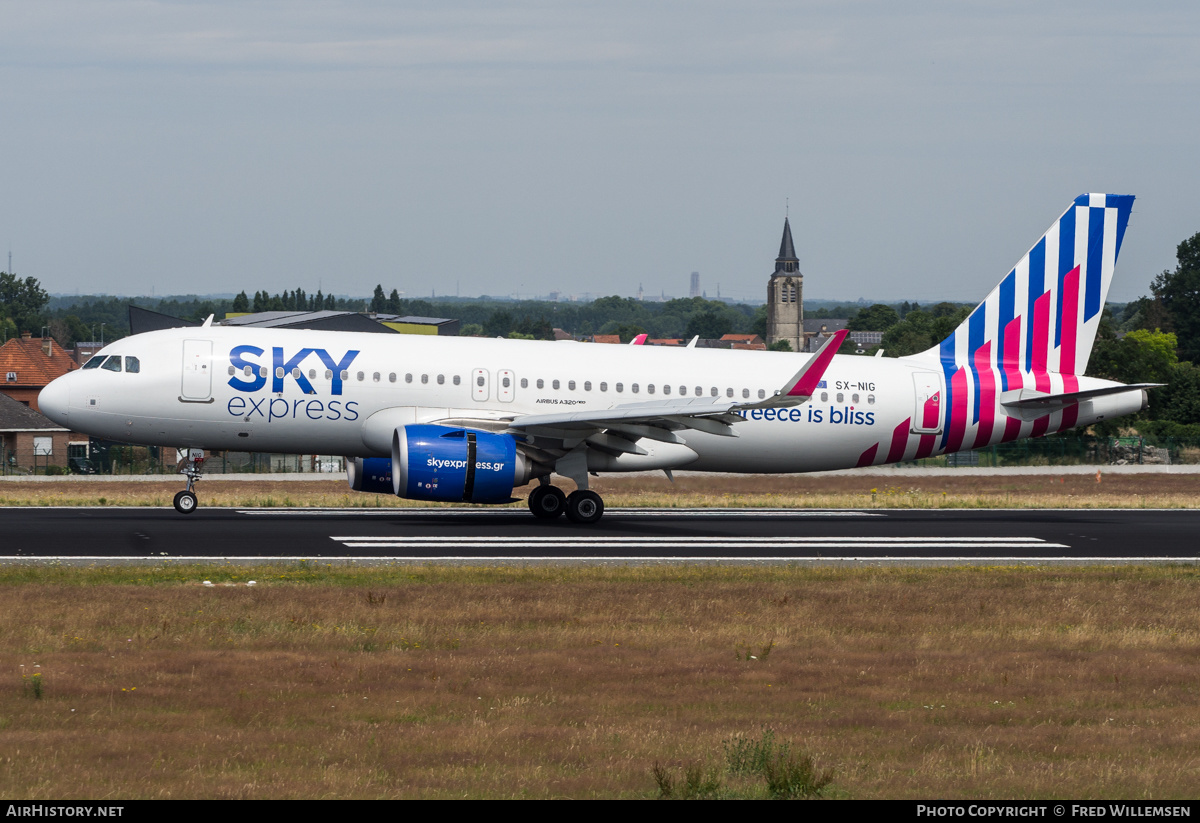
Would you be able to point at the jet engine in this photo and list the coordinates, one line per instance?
(370, 474)
(455, 465)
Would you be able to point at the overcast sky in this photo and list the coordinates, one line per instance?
(524, 147)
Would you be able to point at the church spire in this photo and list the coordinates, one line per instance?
(787, 260)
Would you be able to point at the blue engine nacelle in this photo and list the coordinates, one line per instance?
(370, 474)
(456, 465)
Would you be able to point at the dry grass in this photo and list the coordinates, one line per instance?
(545, 682)
(787, 491)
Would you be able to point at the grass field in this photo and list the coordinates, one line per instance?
(801, 491)
(549, 682)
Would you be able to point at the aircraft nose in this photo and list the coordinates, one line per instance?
(55, 400)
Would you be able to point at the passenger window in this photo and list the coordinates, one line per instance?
(854, 397)
(729, 392)
(457, 380)
(541, 384)
(296, 374)
(714, 391)
(650, 388)
(824, 397)
(408, 378)
(505, 382)
(554, 384)
(666, 389)
(328, 373)
(279, 373)
(683, 391)
(441, 379)
(312, 375)
(375, 377)
(231, 370)
(587, 385)
(524, 382)
(745, 394)
(571, 385)
(870, 400)
(620, 388)
(345, 375)
(603, 387)
(634, 388)
(840, 397)
(478, 380)
(761, 394)
(699, 391)
(113, 363)
(425, 379)
(392, 377)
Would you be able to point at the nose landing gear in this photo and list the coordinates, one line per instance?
(185, 502)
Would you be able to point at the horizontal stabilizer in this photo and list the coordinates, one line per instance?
(1031, 404)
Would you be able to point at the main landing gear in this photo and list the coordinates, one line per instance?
(583, 506)
(185, 502)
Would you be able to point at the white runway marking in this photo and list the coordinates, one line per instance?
(373, 560)
(758, 543)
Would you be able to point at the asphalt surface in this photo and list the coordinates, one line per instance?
(474, 535)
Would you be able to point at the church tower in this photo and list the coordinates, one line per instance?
(785, 296)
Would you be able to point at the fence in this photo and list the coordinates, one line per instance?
(1076, 449)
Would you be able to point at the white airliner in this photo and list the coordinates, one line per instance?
(469, 420)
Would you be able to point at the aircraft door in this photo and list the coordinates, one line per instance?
(197, 371)
(479, 384)
(927, 415)
(507, 383)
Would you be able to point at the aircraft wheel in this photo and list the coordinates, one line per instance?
(584, 507)
(185, 502)
(547, 502)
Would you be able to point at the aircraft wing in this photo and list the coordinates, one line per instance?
(705, 414)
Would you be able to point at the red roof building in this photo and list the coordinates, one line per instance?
(28, 364)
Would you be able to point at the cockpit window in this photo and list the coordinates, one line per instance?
(113, 363)
(132, 365)
(93, 363)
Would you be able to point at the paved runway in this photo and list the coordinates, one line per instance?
(115, 535)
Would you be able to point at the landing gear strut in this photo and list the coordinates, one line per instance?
(185, 502)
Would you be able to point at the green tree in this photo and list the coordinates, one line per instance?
(241, 303)
(23, 302)
(710, 325)
(1139, 357)
(874, 318)
(1179, 292)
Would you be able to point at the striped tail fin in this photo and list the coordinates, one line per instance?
(1036, 329)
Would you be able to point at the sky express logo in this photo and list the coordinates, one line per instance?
(250, 375)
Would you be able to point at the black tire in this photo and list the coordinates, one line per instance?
(547, 502)
(185, 502)
(584, 507)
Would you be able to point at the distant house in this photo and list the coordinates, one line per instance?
(750, 342)
(28, 364)
(607, 338)
(29, 439)
(818, 330)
